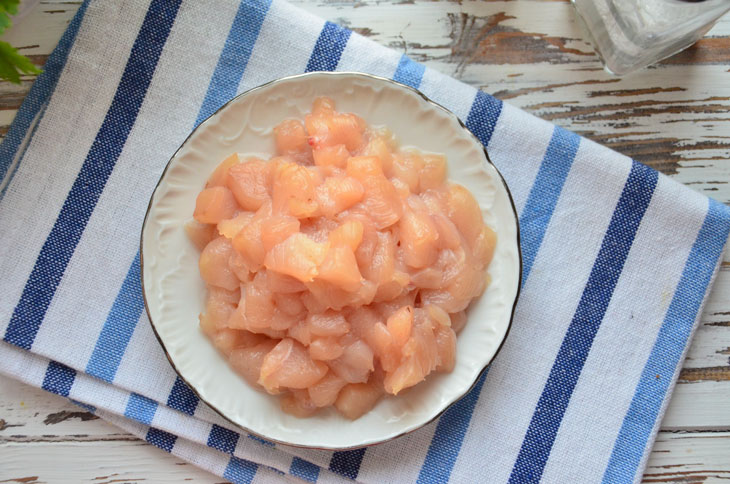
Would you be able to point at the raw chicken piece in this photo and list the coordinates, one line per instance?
(294, 191)
(230, 227)
(290, 137)
(298, 403)
(298, 256)
(331, 157)
(247, 361)
(288, 365)
(324, 392)
(214, 268)
(219, 177)
(338, 193)
(214, 204)
(355, 400)
(249, 181)
(349, 234)
(200, 234)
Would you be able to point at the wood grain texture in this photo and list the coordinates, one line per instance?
(533, 54)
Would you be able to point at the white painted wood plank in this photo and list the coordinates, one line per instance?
(95, 462)
(46, 438)
(690, 458)
(39, 31)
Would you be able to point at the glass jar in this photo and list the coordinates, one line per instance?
(631, 34)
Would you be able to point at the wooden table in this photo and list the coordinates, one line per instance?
(533, 54)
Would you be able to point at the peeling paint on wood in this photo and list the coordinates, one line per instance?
(717, 373)
(64, 415)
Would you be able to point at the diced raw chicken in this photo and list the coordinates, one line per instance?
(288, 303)
(226, 340)
(327, 129)
(331, 157)
(449, 237)
(419, 238)
(283, 284)
(464, 211)
(329, 323)
(248, 240)
(298, 256)
(446, 343)
(200, 234)
(249, 182)
(277, 229)
(355, 400)
(325, 391)
(294, 191)
(337, 194)
(290, 137)
(247, 361)
(318, 229)
(260, 306)
(400, 324)
(349, 234)
(214, 204)
(220, 304)
(363, 167)
(407, 168)
(433, 172)
(298, 403)
(239, 267)
(219, 176)
(214, 268)
(230, 227)
(484, 246)
(377, 146)
(289, 365)
(355, 364)
(381, 201)
(458, 321)
(340, 269)
(324, 349)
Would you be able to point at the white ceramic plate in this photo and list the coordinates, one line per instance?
(174, 293)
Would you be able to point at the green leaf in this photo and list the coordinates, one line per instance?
(7, 8)
(12, 64)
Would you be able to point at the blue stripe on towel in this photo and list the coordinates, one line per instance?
(328, 49)
(304, 470)
(409, 72)
(576, 345)
(676, 329)
(347, 462)
(118, 327)
(141, 409)
(240, 471)
(222, 439)
(100, 161)
(544, 194)
(234, 58)
(448, 437)
(161, 439)
(58, 379)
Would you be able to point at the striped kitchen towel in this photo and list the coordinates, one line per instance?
(618, 259)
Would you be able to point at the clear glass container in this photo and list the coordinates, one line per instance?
(631, 34)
